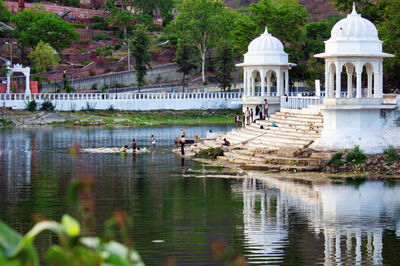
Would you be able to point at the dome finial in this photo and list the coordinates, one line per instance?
(266, 30)
(354, 12)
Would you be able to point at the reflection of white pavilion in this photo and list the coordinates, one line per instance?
(351, 219)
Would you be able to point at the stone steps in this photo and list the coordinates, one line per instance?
(296, 122)
(285, 125)
(274, 131)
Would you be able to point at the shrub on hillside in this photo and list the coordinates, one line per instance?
(31, 106)
(337, 159)
(47, 106)
(356, 157)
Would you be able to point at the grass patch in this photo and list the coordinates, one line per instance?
(210, 153)
(337, 159)
(356, 157)
(6, 123)
(392, 156)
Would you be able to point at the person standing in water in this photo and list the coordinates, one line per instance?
(133, 145)
(153, 142)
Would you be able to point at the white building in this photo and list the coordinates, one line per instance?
(267, 63)
(360, 118)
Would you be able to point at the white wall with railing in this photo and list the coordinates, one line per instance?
(125, 101)
(294, 102)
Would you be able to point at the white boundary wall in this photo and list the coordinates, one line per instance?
(126, 101)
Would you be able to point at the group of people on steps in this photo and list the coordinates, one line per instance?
(249, 116)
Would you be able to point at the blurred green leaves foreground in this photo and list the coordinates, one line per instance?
(73, 248)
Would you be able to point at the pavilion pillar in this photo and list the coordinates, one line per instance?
(377, 85)
(358, 88)
(27, 86)
(278, 83)
(253, 86)
(331, 83)
(245, 82)
(248, 83)
(326, 84)
(262, 75)
(269, 84)
(369, 73)
(287, 82)
(338, 81)
(8, 81)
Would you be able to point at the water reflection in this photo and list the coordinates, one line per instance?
(352, 219)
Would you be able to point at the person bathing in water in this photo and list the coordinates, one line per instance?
(124, 149)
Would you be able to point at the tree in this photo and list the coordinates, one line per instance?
(33, 25)
(5, 13)
(203, 22)
(44, 56)
(225, 64)
(120, 18)
(286, 21)
(388, 31)
(140, 52)
(185, 58)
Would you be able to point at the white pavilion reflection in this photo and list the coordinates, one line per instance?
(351, 219)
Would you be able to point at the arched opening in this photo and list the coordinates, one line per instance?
(271, 82)
(367, 81)
(331, 80)
(350, 79)
(255, 83)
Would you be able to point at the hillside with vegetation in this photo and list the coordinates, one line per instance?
(202, 36)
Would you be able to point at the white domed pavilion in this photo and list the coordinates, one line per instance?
(354, 44)
(356, 119)
(265, 58)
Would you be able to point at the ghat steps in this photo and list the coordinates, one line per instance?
(256, 146)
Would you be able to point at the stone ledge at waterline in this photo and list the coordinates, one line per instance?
(284, 142)
(22, 118)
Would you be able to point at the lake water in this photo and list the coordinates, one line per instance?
(184, 212)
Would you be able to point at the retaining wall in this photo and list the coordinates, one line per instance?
(126, 101)
(166, 73)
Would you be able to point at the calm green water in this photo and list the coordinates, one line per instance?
(181, 209)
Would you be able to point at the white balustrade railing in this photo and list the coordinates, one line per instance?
(291, 102)
(125, 101)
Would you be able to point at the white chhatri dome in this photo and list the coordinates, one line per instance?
(266, 43)
(265, 50)
(354, 27)
(353, 36)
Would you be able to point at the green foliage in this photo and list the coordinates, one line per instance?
(392, 156)
(121, 18)
(185, 57)
(31, 106)
(336, 159)
(44, 56)
(356, 157)
(6, 123)
(101, 36)
(5, 13)
(104, 88)
(13, 88)
(79, 26)
(104, 51)
(210, 153)
(140, 51)
(33, 25)
(73, 248)
(47, 106)
(94, 87)
(68, 88)
(204, 22)
(225, 64)
(388, 28)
